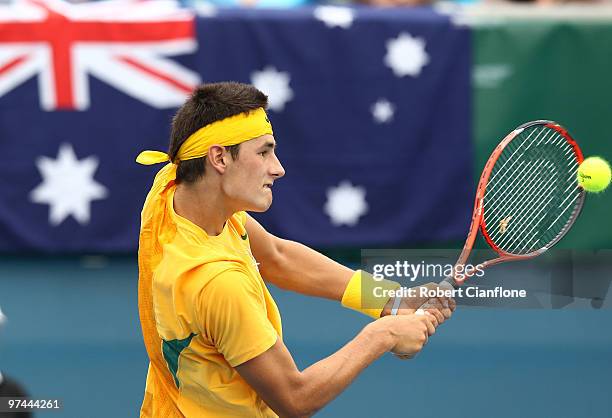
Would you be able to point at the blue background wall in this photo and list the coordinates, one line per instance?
(73, 333)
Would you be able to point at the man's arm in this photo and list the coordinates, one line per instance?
(293, 393)
(293, 266)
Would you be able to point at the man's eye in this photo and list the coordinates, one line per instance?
(263, 153)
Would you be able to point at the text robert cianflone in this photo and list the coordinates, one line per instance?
(468, 291)
(412, 271)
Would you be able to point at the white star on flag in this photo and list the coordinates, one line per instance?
(346, 204)
(275, 84)
(335, 16)
(68, 186)
(406, 55)
(383, 111)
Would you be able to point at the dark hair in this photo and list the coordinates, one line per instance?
(207, 104)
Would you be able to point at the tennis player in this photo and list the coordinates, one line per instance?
(211, 328)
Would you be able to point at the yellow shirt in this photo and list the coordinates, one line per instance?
(204, 309)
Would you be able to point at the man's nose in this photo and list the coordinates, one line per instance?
(277, 168)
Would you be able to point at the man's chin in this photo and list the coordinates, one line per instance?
(260, 207)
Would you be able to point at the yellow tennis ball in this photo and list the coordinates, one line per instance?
(594, 174)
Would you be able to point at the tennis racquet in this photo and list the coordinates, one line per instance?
(527, 198)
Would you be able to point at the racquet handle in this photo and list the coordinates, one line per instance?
(446, 284)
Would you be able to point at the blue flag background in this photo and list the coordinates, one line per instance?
(372, 119)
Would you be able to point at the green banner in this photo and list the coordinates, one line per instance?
(548, 69)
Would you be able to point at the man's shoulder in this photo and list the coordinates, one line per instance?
(224, 275)
(197, 276)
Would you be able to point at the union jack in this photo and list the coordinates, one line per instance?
(124, 43)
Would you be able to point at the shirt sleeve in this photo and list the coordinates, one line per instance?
(232, 313)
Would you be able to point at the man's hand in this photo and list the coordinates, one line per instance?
(440, 308)
(409, 333)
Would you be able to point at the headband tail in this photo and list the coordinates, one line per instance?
(152, 157)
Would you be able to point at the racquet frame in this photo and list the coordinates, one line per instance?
(478, 222)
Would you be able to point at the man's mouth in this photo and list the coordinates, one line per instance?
(268, 185)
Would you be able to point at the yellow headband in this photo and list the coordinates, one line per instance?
(226, 132)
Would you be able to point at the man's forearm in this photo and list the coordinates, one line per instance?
(303, 270)
(326, 379)
(293, 393)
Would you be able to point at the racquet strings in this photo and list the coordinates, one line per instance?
(532, 194)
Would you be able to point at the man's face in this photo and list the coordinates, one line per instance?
(248, 180)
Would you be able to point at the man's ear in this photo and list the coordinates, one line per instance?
(217, 157)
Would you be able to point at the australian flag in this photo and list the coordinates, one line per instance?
(371, 111)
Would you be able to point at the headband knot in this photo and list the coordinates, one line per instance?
(229, 131)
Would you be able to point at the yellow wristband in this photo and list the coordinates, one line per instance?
(367, 295)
